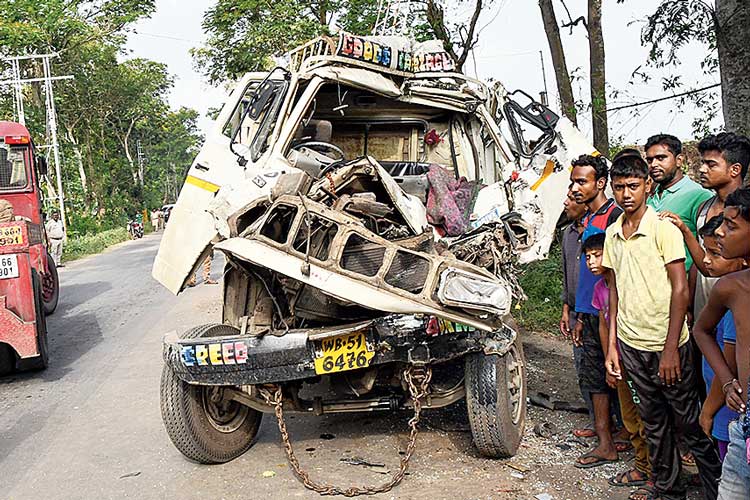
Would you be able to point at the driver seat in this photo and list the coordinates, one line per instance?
(316, 130)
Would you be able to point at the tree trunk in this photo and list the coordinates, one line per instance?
(733, 39)
(79, 160)
(564, 88)
(598, 78)
(126, 146)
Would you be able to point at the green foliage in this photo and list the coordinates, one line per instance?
(109, 107)
(87, 244)
(542, 282)
(245, 35)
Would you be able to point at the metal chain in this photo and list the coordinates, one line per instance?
(418, 381)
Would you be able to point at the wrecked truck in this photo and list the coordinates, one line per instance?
(372, 205)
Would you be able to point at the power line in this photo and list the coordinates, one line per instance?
(665, 98)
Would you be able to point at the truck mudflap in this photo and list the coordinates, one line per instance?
(285, 356)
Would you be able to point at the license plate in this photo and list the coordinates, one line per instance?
(11, 235)
(8, 266)
(342, 353)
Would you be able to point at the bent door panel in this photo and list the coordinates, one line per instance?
(191, 229)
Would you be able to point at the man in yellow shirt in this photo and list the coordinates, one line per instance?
(648, 333)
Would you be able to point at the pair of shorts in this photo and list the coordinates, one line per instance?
(593, 373)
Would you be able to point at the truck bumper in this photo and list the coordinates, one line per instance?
(278, 357)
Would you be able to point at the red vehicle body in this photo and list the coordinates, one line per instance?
(29, 286)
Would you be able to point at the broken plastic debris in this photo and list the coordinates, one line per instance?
(517, 475)
(544, 496)
(268, 473)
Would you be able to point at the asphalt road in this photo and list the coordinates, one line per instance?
(89, 426)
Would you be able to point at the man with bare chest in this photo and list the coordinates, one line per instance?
(731, 293)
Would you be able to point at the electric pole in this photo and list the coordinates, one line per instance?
(16, 81)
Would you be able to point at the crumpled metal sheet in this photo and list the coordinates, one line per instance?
(461, 289)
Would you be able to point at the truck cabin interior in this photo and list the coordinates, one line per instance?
(346, 123)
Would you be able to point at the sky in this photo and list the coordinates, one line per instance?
(511, 38)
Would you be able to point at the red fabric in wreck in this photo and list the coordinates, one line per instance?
(450, 200)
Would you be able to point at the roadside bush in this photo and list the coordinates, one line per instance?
(542, 282)
(87, 244)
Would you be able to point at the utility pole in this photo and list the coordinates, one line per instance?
(544, 95)
(16, 81)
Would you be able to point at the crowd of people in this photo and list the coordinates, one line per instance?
(653, 286)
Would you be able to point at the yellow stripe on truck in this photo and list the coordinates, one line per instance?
(549, 167)
(208, 186)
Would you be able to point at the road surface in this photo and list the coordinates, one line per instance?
(89, 427)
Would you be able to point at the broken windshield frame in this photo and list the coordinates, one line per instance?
(267, 96)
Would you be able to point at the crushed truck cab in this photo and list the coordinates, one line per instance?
(372, 205)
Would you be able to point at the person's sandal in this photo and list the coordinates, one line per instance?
(627, 478)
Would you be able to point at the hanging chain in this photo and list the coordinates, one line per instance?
(418, 381)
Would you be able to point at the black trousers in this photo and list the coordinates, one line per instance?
(667, 410)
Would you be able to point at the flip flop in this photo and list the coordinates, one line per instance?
(626, 479)
(584, 433)
(643, 492)
(596, 463)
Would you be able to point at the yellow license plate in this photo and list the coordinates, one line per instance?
(342, 353)
(11, 235)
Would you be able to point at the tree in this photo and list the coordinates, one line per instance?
(564, 87)
(597, 77)
(244, 35)
(724, 28)
(597, 70)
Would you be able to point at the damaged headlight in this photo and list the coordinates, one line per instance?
(471, 291)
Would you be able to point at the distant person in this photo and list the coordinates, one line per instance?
(648, 301)
(56, 237)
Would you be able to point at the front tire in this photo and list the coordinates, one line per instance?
(41, 361)
(496, 401)
(202, 422)
(50, 287)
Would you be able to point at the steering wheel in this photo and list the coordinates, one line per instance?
(327, 146)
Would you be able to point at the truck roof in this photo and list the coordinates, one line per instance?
(13, 128)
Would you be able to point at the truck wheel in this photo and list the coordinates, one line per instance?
(50, 287)
(202, 422)
(496, 401)
(7, 359)
(42, 361)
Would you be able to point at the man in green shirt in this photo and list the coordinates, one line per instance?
(675, 192)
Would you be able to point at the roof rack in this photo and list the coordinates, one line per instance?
(317, 47)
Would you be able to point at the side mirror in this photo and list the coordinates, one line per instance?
(41, 165)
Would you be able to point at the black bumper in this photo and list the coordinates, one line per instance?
(277, 357)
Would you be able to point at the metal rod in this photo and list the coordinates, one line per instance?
(32, 80)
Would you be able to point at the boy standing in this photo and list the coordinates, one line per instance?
(588, 181)
(731, 293)
(593, 248)
(715, 415)
(648, 304)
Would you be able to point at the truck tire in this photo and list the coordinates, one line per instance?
(203, 425)
(7, 360)
(42, 361)
(496, 401)
(51, 287)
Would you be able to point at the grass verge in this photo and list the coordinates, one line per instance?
(88, 244)
(542, 282)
